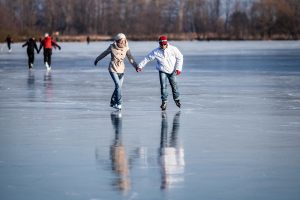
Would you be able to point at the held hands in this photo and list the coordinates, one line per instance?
(138, 69)
(178, 72)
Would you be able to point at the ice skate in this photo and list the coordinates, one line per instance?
(163, 105)
(48, 67)
(178, 104)
(118, 107)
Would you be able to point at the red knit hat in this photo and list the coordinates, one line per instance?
(163, 39)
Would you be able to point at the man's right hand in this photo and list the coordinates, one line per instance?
(95, 63)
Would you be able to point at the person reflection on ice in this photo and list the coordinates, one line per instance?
(118, 155)
(171, 154)
(30, 80)
(31, 85)
(48, 85)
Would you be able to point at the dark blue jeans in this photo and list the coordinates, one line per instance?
(163, 77)
(116, 97)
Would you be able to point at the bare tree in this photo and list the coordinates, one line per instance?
(239, 24)
(148, 18)
(227, 9)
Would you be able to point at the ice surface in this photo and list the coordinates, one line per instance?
(237, 135)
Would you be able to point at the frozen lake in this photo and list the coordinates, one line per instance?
(237, 135)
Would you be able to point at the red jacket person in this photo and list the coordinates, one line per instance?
(48, 43)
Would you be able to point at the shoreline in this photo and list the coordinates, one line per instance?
(171, 36)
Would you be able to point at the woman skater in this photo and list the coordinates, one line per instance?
(31, 45)
(118, 51)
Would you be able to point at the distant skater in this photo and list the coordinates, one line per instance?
(31, 45)
(169, 64)
(47, 44)
(118, 51)
(88, 39)
(8, 41)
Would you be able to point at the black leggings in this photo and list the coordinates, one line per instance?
(47, 56)
(8, 45)
(30, 58)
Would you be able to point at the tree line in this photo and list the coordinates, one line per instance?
(145, 19)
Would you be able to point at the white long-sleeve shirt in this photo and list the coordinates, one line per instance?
(168, 59)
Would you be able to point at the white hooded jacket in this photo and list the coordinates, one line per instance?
(168, 59)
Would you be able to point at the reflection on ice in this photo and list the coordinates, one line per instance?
(118, 155)
(125, 163)
(48, 85)
(30, 80)
(171, 153)
(31, 85)
(239, 126)
(142, 157)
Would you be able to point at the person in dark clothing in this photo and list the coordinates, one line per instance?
(8, 41)
(88, 39)
(31, 45)
(47, 43)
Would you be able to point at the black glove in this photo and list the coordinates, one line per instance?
(59, 47)
(96, 61)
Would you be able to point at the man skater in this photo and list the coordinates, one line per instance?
(169, 64)
(47, 43)
(31, 45)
